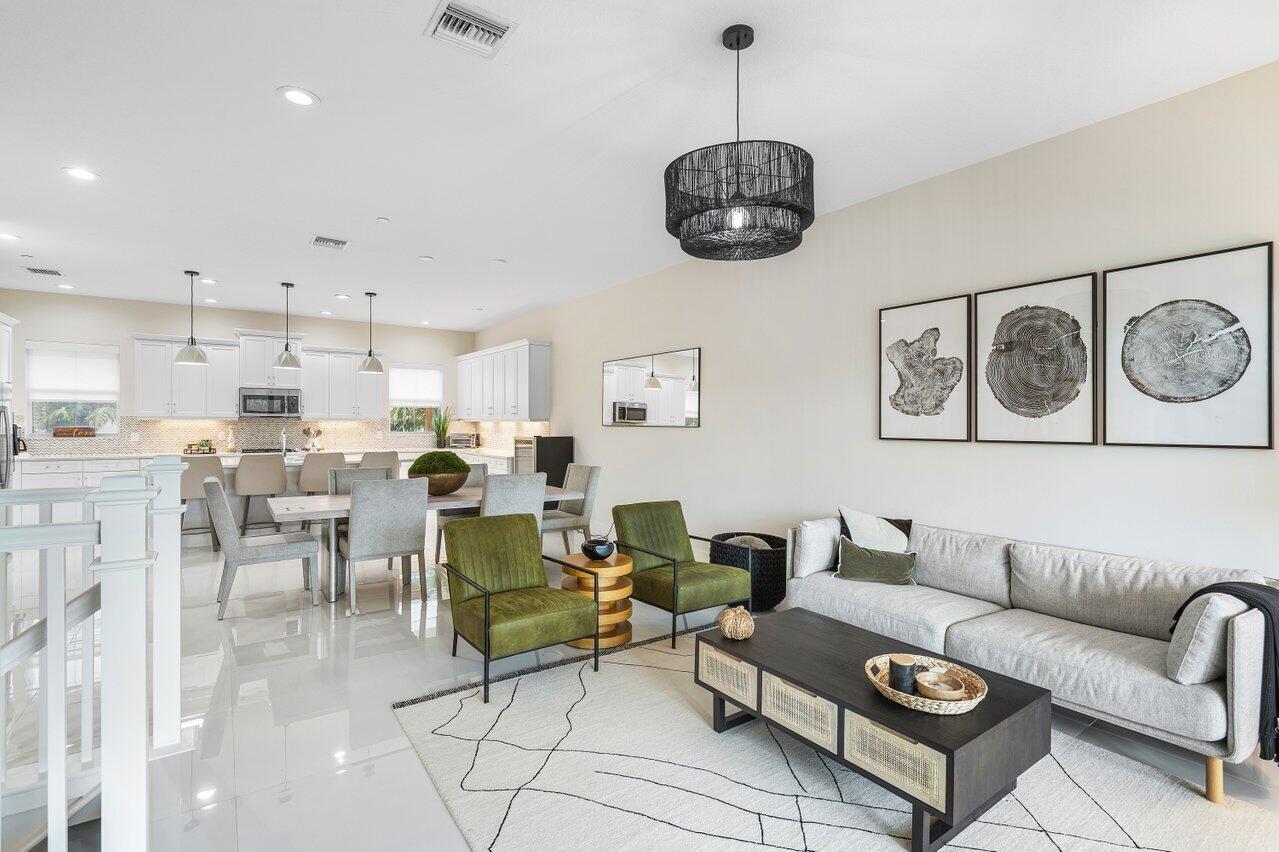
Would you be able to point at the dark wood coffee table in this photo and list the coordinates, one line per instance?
(806, 673)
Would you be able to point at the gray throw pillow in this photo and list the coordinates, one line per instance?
(1197, 652)
(754, 542)
(874, 566)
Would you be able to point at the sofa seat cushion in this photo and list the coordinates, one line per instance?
(701, 585)
(524, 619)
(917, 615)
(1093, 667)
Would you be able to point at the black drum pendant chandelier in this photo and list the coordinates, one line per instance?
(740, 200)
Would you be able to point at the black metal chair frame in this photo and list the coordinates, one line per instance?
(485, 650)
(674, 610)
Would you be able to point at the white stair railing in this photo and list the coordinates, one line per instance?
(132, 524)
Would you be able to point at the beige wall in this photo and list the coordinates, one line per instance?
(83, 319)
(789, 352)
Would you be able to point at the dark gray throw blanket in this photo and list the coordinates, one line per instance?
(1266, 599)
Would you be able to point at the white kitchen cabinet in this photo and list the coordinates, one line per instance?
(258, 351)
(315, 384)
(370, 396)
(163, 389)
(508, 382)
(223, 399)
(6, 348)
(342, 400)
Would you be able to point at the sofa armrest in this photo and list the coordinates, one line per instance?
(1245, 636)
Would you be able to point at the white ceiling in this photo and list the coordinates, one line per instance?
(549, 155)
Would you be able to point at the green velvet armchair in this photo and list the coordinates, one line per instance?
(498, 594)
(666, 575)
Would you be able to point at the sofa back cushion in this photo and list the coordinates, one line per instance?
(1124, 593)
(965, 563)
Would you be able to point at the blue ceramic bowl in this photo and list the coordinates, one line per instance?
(597, 548)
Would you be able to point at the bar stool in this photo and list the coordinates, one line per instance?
(259, 476)
(314, 476)
(388, 459)
(192, 488)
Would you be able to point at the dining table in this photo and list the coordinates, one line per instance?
(334, 508)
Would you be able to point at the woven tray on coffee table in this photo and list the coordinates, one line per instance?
(974, 686)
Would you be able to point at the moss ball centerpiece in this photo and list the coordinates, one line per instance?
(445, 471)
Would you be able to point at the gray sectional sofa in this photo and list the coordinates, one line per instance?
(1091, 627)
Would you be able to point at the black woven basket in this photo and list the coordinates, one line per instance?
(768, 579)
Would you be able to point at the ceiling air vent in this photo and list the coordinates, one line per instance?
(329, 242)
(37, 271)
(469, 28)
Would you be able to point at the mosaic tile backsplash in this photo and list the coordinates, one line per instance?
(171, 436)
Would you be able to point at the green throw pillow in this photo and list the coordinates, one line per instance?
(874, 566)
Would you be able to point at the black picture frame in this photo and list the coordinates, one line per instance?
(1094, 362)
(1107, 379)
(965, 381)
(698, 358)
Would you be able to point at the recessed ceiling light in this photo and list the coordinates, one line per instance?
(211, 301)
(326, 313)
(298, 96)
(80, 173)
(207, 281)
(425, 257)
(424, 322)
(66, 286)
(498, 260)
(383, 220)
(341, 295)
(10, 237)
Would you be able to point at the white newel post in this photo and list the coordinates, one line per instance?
(121, 568)
(166, 601)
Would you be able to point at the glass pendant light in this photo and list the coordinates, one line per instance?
(371, 363)
(286, 360)
(652, 382)
(191, 354)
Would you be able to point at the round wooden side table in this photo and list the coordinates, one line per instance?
(615, 596)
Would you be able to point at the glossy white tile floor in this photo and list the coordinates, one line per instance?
(287, 712)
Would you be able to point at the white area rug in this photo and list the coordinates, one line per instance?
(625, 758)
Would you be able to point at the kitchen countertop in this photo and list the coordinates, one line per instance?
(232, 459)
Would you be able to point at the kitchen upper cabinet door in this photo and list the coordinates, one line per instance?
(514, 391)
(672, 404)
(477, 389)
(609, 394)
(489, 406)
(190, 394)
(6, 354)
(283, 378)
(370, 396)
(342, 401)
(152, 386)
(465, 402)
(255, 356)
(315, 384)
(223, 381)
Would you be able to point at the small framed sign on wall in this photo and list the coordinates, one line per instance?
(1188, 350)
(923, 370)
(1035, 362)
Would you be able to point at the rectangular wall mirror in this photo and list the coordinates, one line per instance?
(662, 389)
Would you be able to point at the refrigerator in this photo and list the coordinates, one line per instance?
(541, 454)
(8, 436)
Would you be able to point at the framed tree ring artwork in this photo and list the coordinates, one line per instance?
(923, 370)
(1188, 351)
(1035, 363)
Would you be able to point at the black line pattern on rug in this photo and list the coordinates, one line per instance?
(481, 740)
(645, 666)
(769, 728)
(1051, 839)
(1094, 801)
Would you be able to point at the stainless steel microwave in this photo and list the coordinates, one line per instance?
(630, 412)
(270, 402)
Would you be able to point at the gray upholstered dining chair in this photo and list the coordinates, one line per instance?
(200, 468)
(574, 514)
(508, 494)
(341, 478)
(388, 519)
(259, 476)
(479, 472)
(252, 550)
(382, 458)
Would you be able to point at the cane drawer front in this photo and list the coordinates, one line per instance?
(801, 712)
(910, 766)
(736, 679)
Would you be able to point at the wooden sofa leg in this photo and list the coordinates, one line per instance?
(1214, 780)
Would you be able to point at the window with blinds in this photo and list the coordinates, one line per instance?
(73, 384)
(414, 390)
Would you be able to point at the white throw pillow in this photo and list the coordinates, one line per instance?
(1197, 652)
(816, 546)
(873, 533)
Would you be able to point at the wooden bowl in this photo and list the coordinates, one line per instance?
(939, 686)
(439, 484)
